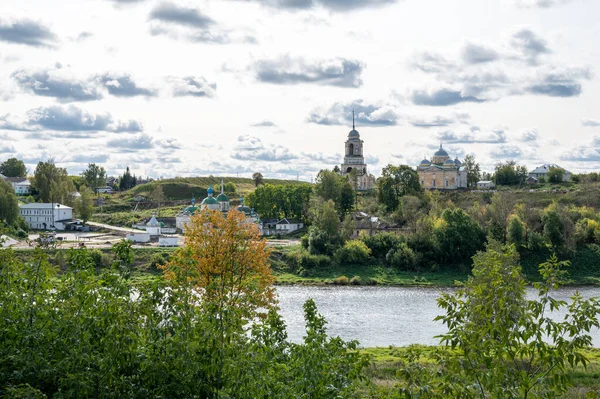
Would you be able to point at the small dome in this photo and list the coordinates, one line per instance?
(243, 208)
(449, 162)
(441, 152)
(210, 191)
(354, 134)
(209, 201)
(190, 209)
(222, 198)
(425, 162)
(457, 162)
(153, 222)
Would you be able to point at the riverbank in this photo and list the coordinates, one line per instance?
(387, 361)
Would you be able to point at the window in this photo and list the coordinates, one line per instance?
(433, 183)
(446, 182)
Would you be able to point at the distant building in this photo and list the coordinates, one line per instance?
(441, 172)
(153, 227)
(287, 226)
(104, 190)
(542, 172)
(47, 216)
(21, 185)
(354, 160)
(532, 180)
(485, 184)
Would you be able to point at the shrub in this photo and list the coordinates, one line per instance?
(308, 261)
(535, 241)
(158, 259)
(355, 280)
(402, 257)
(380, 244)
(353, 252)
(341, 280)
(304, 241)
(96, 256)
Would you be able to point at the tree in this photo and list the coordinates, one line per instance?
(332, 186)
(323, 237)
(53, 183)
(94, 176)
(509, 173)
(158, 196)
(501, 207)
(516, 231)
(84, 205)
(127, 181)
(9, 204)
(258, 179)
(395, 182)
(457, 235)
(473, 170)
(13, 167)
(504, 345)
(555, 174)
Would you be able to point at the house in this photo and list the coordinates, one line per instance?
(287, 226)
(485, 184)
(532, 180)
(46, 216)
(104, 190)
(269, 226)
(21, 185)
(542, 172)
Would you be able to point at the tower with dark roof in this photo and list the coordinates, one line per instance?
(354, 159)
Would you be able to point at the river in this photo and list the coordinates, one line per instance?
(382, 316)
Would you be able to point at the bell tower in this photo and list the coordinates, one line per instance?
(354, 158)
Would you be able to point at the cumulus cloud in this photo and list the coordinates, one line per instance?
(438, 120)
(590, 122)
(530, 136)
(429, 62)
(27, 32)
(172, 13)
(442, 97)
(493, 137)
(124, 86)
(88, 158)
(195, 86)
(57, 83)
(287, 70)
(250, 148)
(333, 5)
(264, 123)
(131, 144)
(365, 114)
(72, 118)
(506, 152)
(6, 148)
(478, 54)
(541, 3)
(561, 82)
(530, 45)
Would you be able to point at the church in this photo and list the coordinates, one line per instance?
(441, 172)
(354, 161)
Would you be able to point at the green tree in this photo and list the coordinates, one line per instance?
(504, 345)
(501, 207)
(555, 175)
(9, 204)
(516, 231)
(53, 184)
(94, 176)
(158, 196)
(473, 170)
(324, 235)
(127, 181)
(395, 182)
(553, 227)
(457, 235)
(258, 179)
(84, 205)
(332, 186)
(13, 167)
(509, 173)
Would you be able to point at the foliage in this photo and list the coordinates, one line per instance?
(502, 344)
(9, 204)
(555, 175)
(457, 236)
(381, 243)
(473, 170)
(13, 167)
(258, 179)
(331, 186)
(501, 206)
(516, 231)
(309, 262)
(53, 183)
(94, 176)
(127, 181)
(158, 197)
(353, 252)
(554, 229)
(84, 205)
(394, 183)
(509, 173)
(402, 257)
(281, 201)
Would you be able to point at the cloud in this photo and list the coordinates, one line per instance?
(561, 83)
(582, 154)
(506, 152)
(541, 3)
(250, 148)
(72, 118)
(323, 158)
(28, 32)
(174, 14)
(494, 137)
(442, 97)
(438, 121)
(530, 45)
(132, 144)
(287, 70)
(530, 136)
(431, 62)
(56, 83)
(478, 54)
(123, 86)
(5, 148)
(88, 158)
(590, 122)
(169, 144)
(365, 114)
(192, 86)
(265, 123)
(83, 36)
(333, 5)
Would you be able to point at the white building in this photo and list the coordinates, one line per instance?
(354, 160)
(46, 216)
(485, 184)
(153, 226)
(542, 172)
(287, 226)
(21, 185)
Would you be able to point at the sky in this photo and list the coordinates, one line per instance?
(233, 87)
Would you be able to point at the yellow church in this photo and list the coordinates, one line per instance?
(441, 172)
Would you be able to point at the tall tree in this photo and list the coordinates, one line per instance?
(555, 175)
(9, 204)
(510, 174)
(94, 176)
(473, 170)
(84, 205)
(158, 196)
(501, 207)
(332, 186)
(395, 182)
(258, 179)
(13, 167)
(53, 183)
(126, 182)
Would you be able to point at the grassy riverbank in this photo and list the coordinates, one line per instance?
(386, 362)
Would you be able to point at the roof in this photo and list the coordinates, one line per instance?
(484, 182)
(441, 152)
(222, 198)
(17, 180)
(353, 134)
(289, 221)
(209, 201)
(36, 205)
(153, 222)
(545, 168)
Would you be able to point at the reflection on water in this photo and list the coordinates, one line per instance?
(381, 316)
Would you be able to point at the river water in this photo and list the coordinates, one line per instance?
(382, 316)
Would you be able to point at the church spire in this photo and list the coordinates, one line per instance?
(353, 128)
(221, 185)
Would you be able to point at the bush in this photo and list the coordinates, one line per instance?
(402, 257)
(308, 261)
(304, 241)
(380, 244)
(158, 259)
(341, 280)
(355, 280)
(353, 252)
(96, 256)
(535, 241)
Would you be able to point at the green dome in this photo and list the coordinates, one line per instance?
(190, 209)
(222, 198)
(244, 209)
(209, 201)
